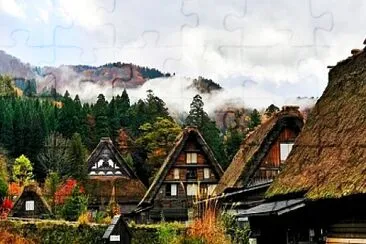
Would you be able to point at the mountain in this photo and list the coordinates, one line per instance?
(118, 74)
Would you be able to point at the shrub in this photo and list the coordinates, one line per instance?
(6, 237)
(3, 189)
(84, 218)
(65, 191)
(14, 189)
(238, 233)
(5, 208)
(167, 233)
(75, 205)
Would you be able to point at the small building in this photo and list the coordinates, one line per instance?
(258, 161)
(189, 172)
(111, 179)
(117, 232)
(31, 204)
(320, 195)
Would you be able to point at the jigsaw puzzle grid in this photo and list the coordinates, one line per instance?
(234, 31)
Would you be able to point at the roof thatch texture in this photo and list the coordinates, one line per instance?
(171, 158)
(31, 193)
(256, 146)
(123, 188)
(328, 159)
(120, 189)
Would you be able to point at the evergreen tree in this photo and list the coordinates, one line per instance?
(101, 119)
(7, 133)
(199, 118)
(76, 155)
(255, 119)
(271, 110)
(113, 118)
(234, 138)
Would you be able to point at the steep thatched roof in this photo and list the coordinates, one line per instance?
(105, 148)
(328, 159)
(255, 147)
(171, 158)
(31, 193)
(125, 187)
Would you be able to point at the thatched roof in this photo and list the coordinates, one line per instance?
(125, 187)
(120, 189)
(171, 158)
(328, 159)
(106, 150)
(256, 146)
(31, 193)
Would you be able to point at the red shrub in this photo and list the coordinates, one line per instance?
(5, 208)
(65, 190)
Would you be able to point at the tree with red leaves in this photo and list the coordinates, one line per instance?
(5, 208)
(65, 191)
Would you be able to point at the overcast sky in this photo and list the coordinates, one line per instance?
(273, 50)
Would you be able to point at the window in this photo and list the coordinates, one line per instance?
(171, 190)
(29, 205)
(191, 174)
(176, 174)
(191, 158)
(285, 149)
(206, 173)
(192, 189)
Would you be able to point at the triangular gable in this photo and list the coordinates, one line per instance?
(30, 204)
(255, 148)
(105, 160)
(172, 157)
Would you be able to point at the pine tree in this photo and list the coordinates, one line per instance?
(255, 119)
(76, 155)
(199, 118)
(101, 119)
(234, 138)
(271, 110)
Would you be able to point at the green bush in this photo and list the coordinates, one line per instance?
(3, 188)
(75, 205)
(238, 233)
(49, 232)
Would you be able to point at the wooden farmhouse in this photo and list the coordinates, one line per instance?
(31, 204)
(111, 179)
(258, 161)
(189, 172)
(320, 195)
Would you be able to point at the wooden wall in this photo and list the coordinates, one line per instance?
(271, 164)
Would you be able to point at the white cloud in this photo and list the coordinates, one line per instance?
(13, 7)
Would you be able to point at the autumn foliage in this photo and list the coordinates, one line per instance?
(65, 191)
(14, 189)
(6, 237)
(5, 208)
(208, 228)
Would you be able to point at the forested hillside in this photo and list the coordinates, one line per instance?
(45, 128)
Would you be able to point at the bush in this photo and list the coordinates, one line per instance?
(50, 232)
(238, 234)
(75, 205)
(3, 189)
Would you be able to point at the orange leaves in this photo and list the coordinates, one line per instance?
(14, 189)
(65, 190)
